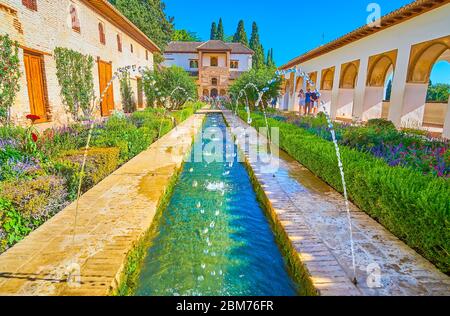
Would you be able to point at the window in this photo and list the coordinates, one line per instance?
(146, 54)
(30, 4)
(132, 48)
(74, 17)
(214, 62)
(234, 64)
(119, 43)
(193, 64)
(101, 32)
(214, 81)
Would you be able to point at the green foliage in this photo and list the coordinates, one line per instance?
(149, 16)
(413, 206)
(9, 75)
(126, 93)
(381, 123)
(75, 76)
(160, 87)
(220, 31)
(120, 132)
(270, 61)
(27, 202)
(100, 163)
(185, 36)
(13, 227)
(213, 35)
(260, 77)
(38, 198)
(438, 92)
(255, 44)
(241, 35)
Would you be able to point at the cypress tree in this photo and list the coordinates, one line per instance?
(220, 31)
(254, 39)
(213, 31)
(241, 36)
(255, 45)
(270, 62)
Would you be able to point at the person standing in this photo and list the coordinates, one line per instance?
(308, 100)
(315, 101)
(302, 99)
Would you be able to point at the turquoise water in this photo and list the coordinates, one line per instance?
(213, 238)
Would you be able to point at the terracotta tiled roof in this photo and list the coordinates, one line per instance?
(213, 45)
(238, 48)
(405, 13)
(108, 11)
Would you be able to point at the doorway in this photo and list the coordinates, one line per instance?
(34, 69)
(105, 76)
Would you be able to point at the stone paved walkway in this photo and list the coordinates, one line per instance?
(113, 216)
(314, 216)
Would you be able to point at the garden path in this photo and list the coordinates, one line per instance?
(315, 218)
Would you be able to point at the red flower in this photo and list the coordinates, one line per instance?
(33, 117)
(34, 137)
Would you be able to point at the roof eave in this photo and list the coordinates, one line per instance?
(108, 11)
(401, 15)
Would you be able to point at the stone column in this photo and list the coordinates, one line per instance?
(414, 100)
(399, 85)
(360, 89)
(335, 92)
(293, 98)
(446, 133)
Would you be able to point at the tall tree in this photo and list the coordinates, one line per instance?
(241, 36)
(254, 39)
(269, 61)
(255, 45)
(213, 31)
(150, 17)
(220, 31)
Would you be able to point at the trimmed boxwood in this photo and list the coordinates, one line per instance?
(100, 163)
(413, 206)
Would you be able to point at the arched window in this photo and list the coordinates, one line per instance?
(132, 48)
(214, 81)
(101, 33)
(74, 18)
(119, 43)
(214, 62)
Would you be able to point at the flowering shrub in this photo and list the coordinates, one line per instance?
(36, 198)
(381, 139)
(36, 184)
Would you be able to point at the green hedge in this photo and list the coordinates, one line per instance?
(413, 206)
(100, 163)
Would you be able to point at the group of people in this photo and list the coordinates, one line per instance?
(309, 102)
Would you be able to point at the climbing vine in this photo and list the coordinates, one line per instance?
(75, 76)
(9, 75)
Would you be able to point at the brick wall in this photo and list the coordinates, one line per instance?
(50, 27)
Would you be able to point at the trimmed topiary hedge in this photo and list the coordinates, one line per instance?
(413, 206)
(100, 163)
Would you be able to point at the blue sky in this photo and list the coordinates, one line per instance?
(290, 27)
